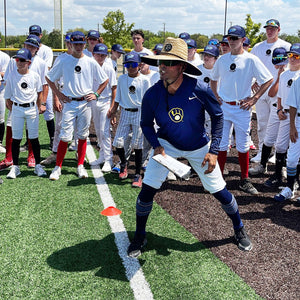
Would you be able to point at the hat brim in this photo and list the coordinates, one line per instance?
(120, 51)
(152, 60)
(95, 52)
(227, 35)
(78, 42)
(31, 44)
(18, 56)
(209, 53)
(271, 26)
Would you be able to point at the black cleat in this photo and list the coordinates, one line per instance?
(136, 246)
(242, 239)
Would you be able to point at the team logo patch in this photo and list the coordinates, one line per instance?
(24, 85)
(232, 67)
(168, 47)
(132, 89)
(206, 79)
(268, 52)
(176, 114)
(77, 69)
(290, 82)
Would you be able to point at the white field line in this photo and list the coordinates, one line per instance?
(139, 285)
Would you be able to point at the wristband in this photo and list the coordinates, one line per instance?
(96, 94)
(278, 110)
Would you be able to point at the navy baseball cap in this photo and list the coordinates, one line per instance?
(68, 37)
(132, 57)
(213, 42)
(236, 30)
(211, 50)
(35, 29)
(246, 42)
(279, 56)
(157, 48)
(224, 40)
(100, 49)
(191, 43)
(118, 48)
(23, 53)
(272, 23)
(33, 40)
(93, 34)
(184, 35)
(295, 48)
(77, 37)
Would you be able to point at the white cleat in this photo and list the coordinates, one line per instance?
(81, 171)
(14, 172)
(56, 172)
(106, 167)
(256, 158)
(39, 171)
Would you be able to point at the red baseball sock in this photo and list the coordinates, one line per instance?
(8, 142)
(244, 164)
(222, 156)
(61, 152)
(30, 151)
(81, 151)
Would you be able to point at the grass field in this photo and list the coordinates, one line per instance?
(56, 245)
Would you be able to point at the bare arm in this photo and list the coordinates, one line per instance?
(214, 87)
(293, 129)
(55, 90)
(100, 89)
(274, 88)
(112, 102)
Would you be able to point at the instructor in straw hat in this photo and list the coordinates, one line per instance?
(177, 103)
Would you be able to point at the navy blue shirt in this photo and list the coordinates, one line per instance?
(181, 117)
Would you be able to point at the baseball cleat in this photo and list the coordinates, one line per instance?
(247, 187)
(258, 169)
(285, 194)
(106, 167)
(135, 248)
(4, 164)
(81, 171)
(137, 181)
(242, 239)
(56, 172)
(49, 160)
(14, 172)
(31, 162)
(39, 171)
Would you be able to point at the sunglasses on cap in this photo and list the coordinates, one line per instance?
(168, 63)
(33, 41)
(191, 47)
(21, 60)
(77, 38)
(296, 56)
(131, 65)
(233, 38)
(224, 44)
(279, 58)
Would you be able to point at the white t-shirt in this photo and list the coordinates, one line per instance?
(79, 75)
(264, 51)
(286, 82)
(87, 52)
(37, 65)
(131, 90)
(109, 71)
(235, 74)
(206, 74)
(153, 77)
(197, 60)
(22, 88)
(4, 60)
(60, 82)
(293, 98)
(46, 54)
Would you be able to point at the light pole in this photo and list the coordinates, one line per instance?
(225, 17)
(5, 24)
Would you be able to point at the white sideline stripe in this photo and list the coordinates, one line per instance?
(139, 285)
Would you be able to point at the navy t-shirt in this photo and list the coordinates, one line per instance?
(181, 117)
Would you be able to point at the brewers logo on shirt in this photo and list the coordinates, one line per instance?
(176, 114)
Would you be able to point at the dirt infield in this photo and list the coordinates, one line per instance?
(272, 267)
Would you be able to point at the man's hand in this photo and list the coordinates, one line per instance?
(293, 134)
(159, 150)
(42, 109)
(90, 97)
(9, 104)
(211, 159)
(247, 103)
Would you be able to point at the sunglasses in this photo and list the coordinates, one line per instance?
(168, 63)
(77, 38)
(33, 41)
(233, 38)
(131, 65)
(224, 44)
(21, 60)
(296, 56)
(191, 47)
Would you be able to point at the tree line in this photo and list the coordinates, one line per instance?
(117, 31)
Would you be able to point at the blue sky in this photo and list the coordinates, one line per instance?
(205, 17)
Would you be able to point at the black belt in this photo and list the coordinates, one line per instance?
(77, 99)
(132, 109)
(24, 104)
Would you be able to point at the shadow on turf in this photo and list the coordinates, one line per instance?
(94, 254)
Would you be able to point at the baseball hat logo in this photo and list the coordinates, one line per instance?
(24, 85)
(168, 47)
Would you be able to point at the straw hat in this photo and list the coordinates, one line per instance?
(173, 49)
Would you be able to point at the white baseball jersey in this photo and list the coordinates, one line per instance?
(153, 77)
(197, 60)
(264, 51)
(87, 52)
(22, 88)
(293, 98)
(46, 54)
(80, 75)
(236, 72)
(206, 74)
(109, 71)
(286, 81)
(131, 90)
(4, 60)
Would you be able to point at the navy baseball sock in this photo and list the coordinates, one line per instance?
(2, 129)
(265, 154)
(138, 160)
(15, 149)
(291, 177)
(280, 162)
(51, 129)
(230, 206)
(144, 205)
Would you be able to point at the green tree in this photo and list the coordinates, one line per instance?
(54, 39)
(252, 31)
(117, 31)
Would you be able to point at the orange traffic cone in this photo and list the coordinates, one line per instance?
(110, 211)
